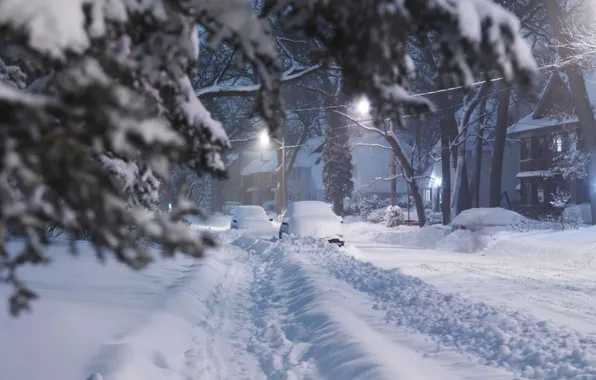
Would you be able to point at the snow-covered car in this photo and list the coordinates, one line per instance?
(487, 220)
(312, 218)
(250, 217)
(229, 207)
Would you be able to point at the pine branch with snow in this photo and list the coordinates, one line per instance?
(369, 39)
(85, 147)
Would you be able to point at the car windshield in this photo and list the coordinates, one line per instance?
(310, 209)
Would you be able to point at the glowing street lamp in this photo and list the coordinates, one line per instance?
(363, 106)
(264, 138)
(264, 141)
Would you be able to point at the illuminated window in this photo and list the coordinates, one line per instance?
(558, 144)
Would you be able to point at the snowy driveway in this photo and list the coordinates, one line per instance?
(260, 308)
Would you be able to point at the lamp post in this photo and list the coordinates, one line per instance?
(265, 139)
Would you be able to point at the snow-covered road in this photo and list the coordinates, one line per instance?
(260, 308)
(548, 288)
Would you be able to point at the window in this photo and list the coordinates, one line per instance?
(526, 193)
(298, 197)
(539, 144)
(573, 141)
(558, 143)
(525, 149)
(540, 193)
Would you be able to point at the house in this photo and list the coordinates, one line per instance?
(543, 135)
(305, 180)
(509, 194)
(371, 166)
(253, 176)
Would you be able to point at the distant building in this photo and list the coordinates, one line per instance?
(253, 176)
(371, 166)
(542, 136)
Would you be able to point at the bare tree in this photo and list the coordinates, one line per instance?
(388, 132)
(460, 142)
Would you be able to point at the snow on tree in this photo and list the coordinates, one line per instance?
(337, 162)
(560, 198)
(571, 163)
(394, 216)
(368, 39)
(117, 109)
(117, 86)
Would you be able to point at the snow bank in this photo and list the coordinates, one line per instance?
(108, 320)
(517, 341)
(408, 236)
(575, 248)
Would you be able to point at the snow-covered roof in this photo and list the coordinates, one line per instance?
(531, 122)
(305, 157)
(265, 163)
(535, 173)
(232, 157)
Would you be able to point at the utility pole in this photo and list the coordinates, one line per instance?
(284, 199)
(393, 165)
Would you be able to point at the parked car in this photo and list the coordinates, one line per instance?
(229, 207)
(250, 217)
(312, 218)
(487, 220)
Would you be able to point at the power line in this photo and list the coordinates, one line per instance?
(554, 66)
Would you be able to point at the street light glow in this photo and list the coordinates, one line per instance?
(264, 138)
(437, 181)
(363, 106)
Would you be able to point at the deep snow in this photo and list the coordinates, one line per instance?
(299, 308)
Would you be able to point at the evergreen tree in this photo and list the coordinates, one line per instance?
(337, 163)
(110, 106)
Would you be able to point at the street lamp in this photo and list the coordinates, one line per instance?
(363, 106)
(264, 140)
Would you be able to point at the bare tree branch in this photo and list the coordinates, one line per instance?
(216, 91)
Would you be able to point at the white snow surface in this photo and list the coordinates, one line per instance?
(477, 218)
(299, 308)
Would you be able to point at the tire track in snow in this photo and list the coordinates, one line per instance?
(301, 333)
(220, 338)
(519, 342)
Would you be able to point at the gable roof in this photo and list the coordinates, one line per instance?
(555, 93)
(266, 162)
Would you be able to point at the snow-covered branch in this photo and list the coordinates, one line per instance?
(373, 146)
(221, 90)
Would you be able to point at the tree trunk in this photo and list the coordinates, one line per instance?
(338, 206)
(408, 171)
(579, 95)
(496, 170)
(279, 204)
(477, 158)
(445, 173)
(460, 171)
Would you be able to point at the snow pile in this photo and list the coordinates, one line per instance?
(425, 237)
(517, 341)
(574, 248)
